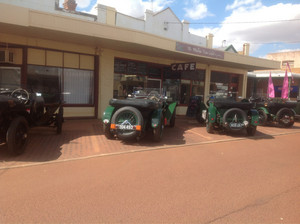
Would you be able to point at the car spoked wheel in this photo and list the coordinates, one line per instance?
(285, 117)
(17, 136)
(235, 119)
(127, 121)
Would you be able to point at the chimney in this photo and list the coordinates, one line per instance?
(246, 48)
(70, 5)
(209, 40)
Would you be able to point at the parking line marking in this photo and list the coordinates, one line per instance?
(203, 136)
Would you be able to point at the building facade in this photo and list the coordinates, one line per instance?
(258, 80)
(92, 58)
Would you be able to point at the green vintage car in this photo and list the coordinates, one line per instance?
(144, 110)
(229, 115)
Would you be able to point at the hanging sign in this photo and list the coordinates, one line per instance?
(190, 66)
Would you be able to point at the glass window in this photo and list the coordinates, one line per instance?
(78, 86)
(10, 78)
(224, 84)
(124, 84)
(171, 88)
(190, 83)
(43, 79)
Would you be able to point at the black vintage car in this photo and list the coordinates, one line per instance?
(276, 111)
(130, 118)
(20, 110)
(229, 115)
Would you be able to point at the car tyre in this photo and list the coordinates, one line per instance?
(251, 130)
(209, 125)
(107, 132)
(172, 121)
(285, 117)
(17, 136)
(158, 131)
(234, 111)
(133, 116)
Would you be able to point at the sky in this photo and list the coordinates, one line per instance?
(269, 26)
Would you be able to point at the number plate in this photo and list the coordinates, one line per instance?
(125, 127)
(236, 125)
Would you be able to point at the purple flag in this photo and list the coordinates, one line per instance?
(270, 93)
(285, 87)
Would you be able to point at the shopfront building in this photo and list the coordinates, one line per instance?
(90, 62)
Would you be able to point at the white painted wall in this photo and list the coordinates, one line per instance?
(45, 6)
(164, 23)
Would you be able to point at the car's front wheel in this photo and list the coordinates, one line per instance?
(17, 135)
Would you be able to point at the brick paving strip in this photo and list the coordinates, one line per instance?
(82, 139)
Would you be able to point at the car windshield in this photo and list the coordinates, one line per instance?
(139, 92)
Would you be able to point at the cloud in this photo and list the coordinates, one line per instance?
(197, 10)
(258, 32)
(240, 3)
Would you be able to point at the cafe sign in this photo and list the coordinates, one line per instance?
(190, 66)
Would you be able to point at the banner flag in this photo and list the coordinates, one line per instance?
(285, 87)
(288, 65)
(271, 92)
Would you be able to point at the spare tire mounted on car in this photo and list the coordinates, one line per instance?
(235, 119)
(128, 122)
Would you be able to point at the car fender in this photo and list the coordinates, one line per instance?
(170, 110)
(254, 117)
(264, 109)
(156, 118)
(212, 113)
(107, 114)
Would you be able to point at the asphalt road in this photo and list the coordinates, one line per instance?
(246, 181)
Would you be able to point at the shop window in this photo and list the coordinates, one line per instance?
(124, 84)
(190, 83)
(10, 78)
(290, 62)
(171, 88)
(78, 86)
(45, 80)
(130, 74)
(224, 85)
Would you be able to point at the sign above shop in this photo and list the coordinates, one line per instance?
(190, 66)
(202, 51)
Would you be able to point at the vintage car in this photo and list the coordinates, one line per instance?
(144, 110)
(229, 115)
(20, 110)
(276, 111)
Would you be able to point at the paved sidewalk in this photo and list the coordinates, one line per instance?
(85, 138)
